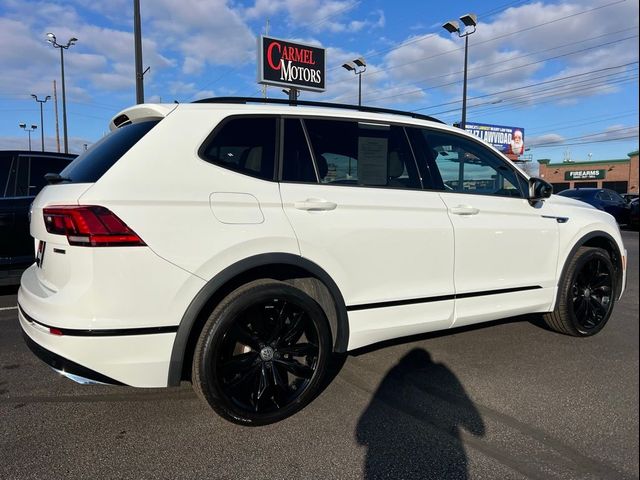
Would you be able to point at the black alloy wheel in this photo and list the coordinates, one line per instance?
(591, 294)
(586, 294)
(262, 353)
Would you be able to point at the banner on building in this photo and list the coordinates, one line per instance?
(288, 64)
(509, 140)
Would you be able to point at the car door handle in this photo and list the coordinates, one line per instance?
(315, 204)
(464, 210)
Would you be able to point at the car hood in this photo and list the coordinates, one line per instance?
(567, 202)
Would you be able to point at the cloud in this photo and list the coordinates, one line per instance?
(545, 139)
(316, 15)
(502, 52)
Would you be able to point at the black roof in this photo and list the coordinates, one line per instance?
(306, 103)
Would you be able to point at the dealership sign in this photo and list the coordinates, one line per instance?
(288, 64)
(585, 175)
(509, 140)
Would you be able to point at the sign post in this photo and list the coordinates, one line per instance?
(296, 66)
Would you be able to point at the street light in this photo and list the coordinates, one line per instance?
(28, 130)
(469, 20)
(357, 66)
(51, 38)
(41, 121)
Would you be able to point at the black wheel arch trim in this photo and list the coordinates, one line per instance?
(617, 262)
(221, 279)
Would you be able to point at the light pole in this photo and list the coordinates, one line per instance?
(357, 66)
(28, 130)
(51, 38)
(469, 20)
(41, 121)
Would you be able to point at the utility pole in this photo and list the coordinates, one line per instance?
(137, 33)
(264, 87)
(55, 108)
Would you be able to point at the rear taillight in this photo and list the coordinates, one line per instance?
(90, 226)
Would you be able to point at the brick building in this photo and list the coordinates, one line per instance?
(618, 175)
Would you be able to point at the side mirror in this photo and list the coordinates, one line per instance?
(539, 189)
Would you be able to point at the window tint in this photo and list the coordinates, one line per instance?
(103, 154)
(297, 165)
(615, 196)
(466, 166)
(5, 165)
(40, 166)
(603, 195)
(246, 145)
(362, 154)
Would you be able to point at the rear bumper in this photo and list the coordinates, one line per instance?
(66, 366)
(139, 360)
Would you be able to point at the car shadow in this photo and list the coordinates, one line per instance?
(413, 426)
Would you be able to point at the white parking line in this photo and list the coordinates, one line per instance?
(8, 308)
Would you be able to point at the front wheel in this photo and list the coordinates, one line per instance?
(262, 353)
(586, 294)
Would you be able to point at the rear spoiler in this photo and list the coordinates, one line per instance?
(138, 113)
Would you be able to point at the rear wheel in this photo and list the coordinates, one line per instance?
(586, 294)
(262, 353)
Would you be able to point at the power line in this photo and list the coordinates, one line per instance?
(561, 90)
(481, 67)
(544, 82)
(496, 72)
(572, 124)
(552, 97)
(579, 137)
(552, 145)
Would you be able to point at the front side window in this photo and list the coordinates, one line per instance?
(362, 154)
(466, 166)
(244, 144)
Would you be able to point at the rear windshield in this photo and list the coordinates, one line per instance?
(103, 154)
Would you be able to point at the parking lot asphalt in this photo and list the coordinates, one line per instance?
(503, 400)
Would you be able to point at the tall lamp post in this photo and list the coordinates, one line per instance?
(28, 130)
(41, 102)
(469, 20)
(357, 66)
(51, 38)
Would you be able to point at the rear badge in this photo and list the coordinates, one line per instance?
(40, 254)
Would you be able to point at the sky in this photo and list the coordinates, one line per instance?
(564, 71)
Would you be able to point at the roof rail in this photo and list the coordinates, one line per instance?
(306, 103)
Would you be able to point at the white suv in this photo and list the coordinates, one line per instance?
(240, 243)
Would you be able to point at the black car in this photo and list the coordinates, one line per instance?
(603, 199)
(634, 213)
(21, 178)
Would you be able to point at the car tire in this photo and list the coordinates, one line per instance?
(262, 353)
(586, 294)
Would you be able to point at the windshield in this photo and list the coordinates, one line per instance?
(103, 154)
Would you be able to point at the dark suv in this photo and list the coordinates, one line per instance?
(21, 178)
(603, 199)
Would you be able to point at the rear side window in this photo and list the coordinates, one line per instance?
(102, 155)
(362, 154)
(5, 165)
(244, 144)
